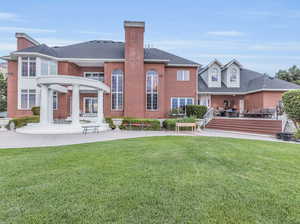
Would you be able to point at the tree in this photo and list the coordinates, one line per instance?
(291, 75)
(3, 93)
(291, 104)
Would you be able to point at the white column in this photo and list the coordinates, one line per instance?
(44, 106)
(75, 105)
(100, 106)
(50, 106)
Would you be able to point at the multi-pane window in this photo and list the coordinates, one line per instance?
(181, 102)
(183, 75)
(48, 67)
(152, 90)
(95, 75)
(90, 105)
(28, 98)
(214, 75)
(117, 90)
(233, 75)
(55, 101)
(28, 66)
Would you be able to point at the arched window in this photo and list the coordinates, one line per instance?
(152, 90)
(117, 90)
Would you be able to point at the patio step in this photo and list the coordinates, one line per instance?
(270, 127)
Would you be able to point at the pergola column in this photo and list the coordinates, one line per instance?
(44, 105)
(75, 105)
(100, 106)
(50, 106)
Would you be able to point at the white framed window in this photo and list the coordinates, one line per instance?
(233, 74)
(95, 75)
(152, 90)
(214, 75)
(183, 75)
(117, 90)
(28, 66)
(181, 102)
(48, 67)
(90, 105)
(55, 100)
(28, 98)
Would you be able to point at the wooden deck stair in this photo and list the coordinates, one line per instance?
(268, 127)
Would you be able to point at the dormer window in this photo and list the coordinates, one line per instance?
(233, 74)
(214, 75)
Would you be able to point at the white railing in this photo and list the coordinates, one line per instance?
(208, 116)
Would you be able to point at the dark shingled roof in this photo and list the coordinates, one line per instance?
(249, 81)
(103, 49)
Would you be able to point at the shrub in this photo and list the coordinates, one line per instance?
(23, 121)
(35, 111)
(196, 110)
(110, 122)
(170, 124)
(291, 103)
(297, 134)
(176, 112)
(136, 124)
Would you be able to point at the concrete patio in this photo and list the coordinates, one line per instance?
(10, 139)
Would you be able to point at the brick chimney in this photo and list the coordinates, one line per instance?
(24, 41)
(134, 94)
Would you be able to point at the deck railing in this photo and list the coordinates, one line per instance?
(208, 116)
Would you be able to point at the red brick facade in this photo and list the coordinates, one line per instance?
(134, 68)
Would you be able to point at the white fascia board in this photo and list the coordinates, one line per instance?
(243, 93)
(183, 65)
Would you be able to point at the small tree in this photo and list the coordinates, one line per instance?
(3, 93)
(291, 103)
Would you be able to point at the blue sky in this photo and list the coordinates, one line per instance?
(262, 34)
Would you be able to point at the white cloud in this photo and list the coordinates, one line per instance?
(9, 16)
(24, 29)
(230, 33)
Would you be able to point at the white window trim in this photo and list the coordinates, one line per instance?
(99, 73)
(152, 92)
(111, 104)
(56, 100)
(49, 62)
(84, 98)
(178, 100)
(28, 67)
(20, 97)
(183, 75)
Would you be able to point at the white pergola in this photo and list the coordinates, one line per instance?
(60, 83)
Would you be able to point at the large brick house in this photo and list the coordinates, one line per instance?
(144, 82)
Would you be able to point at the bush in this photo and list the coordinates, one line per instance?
(23, 121)
(291, 103)
(135, 124)
(176, 112)
(35, 111)
(110, 122)
(297, 134)
(197, 111)
(170, 124)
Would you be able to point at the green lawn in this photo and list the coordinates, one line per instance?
(152, 180)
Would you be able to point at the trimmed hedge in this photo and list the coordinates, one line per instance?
(170, 124)
(297, 134)
(23, 121)
(110, 122)
(35, 111)
(197, 111)
(140, 123)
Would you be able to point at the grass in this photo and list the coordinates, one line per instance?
(152, 180)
